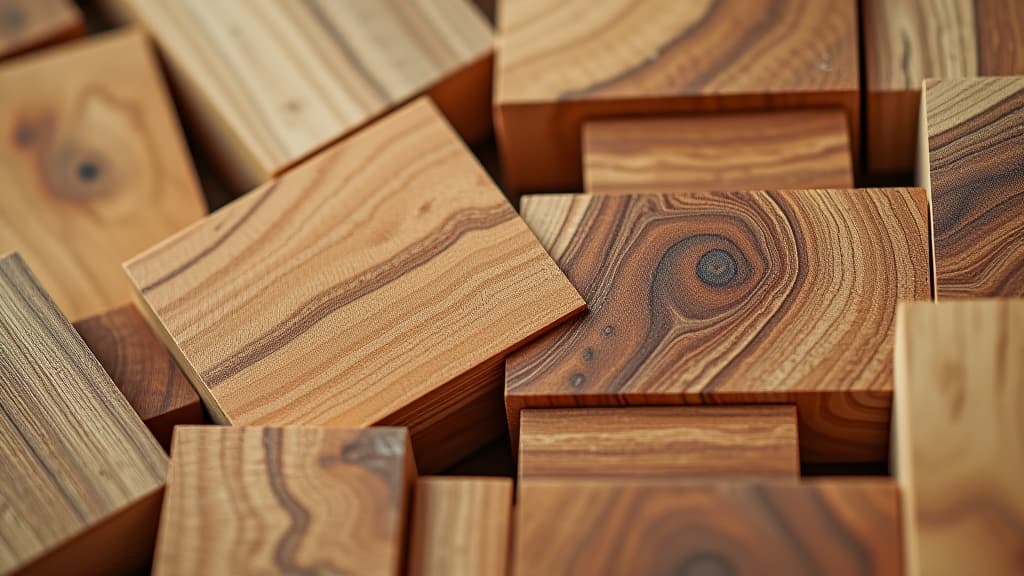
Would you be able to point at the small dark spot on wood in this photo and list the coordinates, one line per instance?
(12, 19)
(577, 380)
(716, 268)
(588, 354)
(706, 564)
(608, 330)
(88, 171)
(424, 208)
(293, 106)
(25, 136)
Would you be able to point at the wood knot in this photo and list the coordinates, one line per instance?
(716, 268)
(72, 173)
(12, 19)
(706, 564)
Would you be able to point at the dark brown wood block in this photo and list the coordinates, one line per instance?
(29, 24)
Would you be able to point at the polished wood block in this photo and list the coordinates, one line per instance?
(29, 24)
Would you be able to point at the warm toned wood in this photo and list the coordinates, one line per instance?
(296, 76)
(93, 166)
(972, 151)
(461, 527)
(958, 436)
(791, 149)
(689, 442)
(78, 464)
(29, 24)
(285, 501)
(382, 282)
(594, 528)
(732, 298)
(143, 370)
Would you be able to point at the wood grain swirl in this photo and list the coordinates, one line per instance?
(29, 24)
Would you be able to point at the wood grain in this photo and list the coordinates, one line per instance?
(76, 458)
(382, 282)
(29, 24)
(285, 501)
(94, 166)
(293, 77)
(780, 150)
(959, 436)
(758, 297)
(671, 442)
(461, 527)
(971, 159)
(652, 529)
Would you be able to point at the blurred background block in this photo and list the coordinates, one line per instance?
(29, 24)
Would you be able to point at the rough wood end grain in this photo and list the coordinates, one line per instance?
(29, 24)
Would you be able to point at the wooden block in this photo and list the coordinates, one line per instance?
(382, 282)
(562, 63)
(732, 298)
(461, 526)
(94, 169)
(907, 41)
(776, 150)
(143, 370)
(653, 529)
(285, 501)
(30, 24)
(298, 76)
(972, 152)
(82, 478)
(659, 442)
(958, 436)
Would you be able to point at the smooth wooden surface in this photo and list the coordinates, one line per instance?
(959, 442)
(298, 76)
(383, 282)
(561, 63)
(461, 526)
(595, 528)
(671, 442)
(30, 24)
(285, 501)
(792, 149)
(93, 165)
(732, 298)
(75, 455)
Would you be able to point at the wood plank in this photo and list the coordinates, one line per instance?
(300, 75)
(382, 282)
(758, 297)
(95, 169)
(82, 478)
(563, 63)
(285, 501)
(839, 527)
(29, 24)
(461, 527)
(669, 442)
(958, 435)
(754, 151)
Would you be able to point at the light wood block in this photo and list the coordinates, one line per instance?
(285, 501)
(959, 443)
(82, 478)
(758, 297)
(297, 76)
(95, 169)
(382, 282)
(461, 527)
(671, 442)
(29, 24)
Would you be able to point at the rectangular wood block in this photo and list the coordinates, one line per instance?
(94, 166)
(972, 151)
(759, 297)
(461, 527)
(253, 500)
(563, 63)
(29, 24)
(672, 442)
(596, 527)
(82, 478)
(740, 151)
(382, 282)
(294, 77)
(958, 436)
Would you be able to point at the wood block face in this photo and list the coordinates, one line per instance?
(958, 435)
(562, 63)
(285, 501)
(780, 150)
(659, 442)
(75, 456)
(759, 297)
(382, 282)
(972, 153)
(653, 529)
(29, 24)
(95, 169)
(461, 527)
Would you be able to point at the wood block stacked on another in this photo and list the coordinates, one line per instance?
(286, 501)
(82, 478)
(29, 24)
